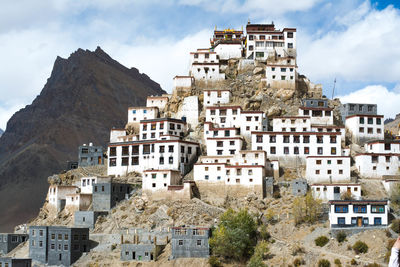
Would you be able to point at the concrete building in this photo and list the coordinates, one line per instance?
(57, 245)
(314, 102)
(182, 85)
(299, 187)
(173, 154)
(154, 180)
(188, 242)
(265, 42)
(382, 147)
(90, 155)
(107, 194)
(78, 201)
(358, 213)
(139, 252)
(376, 165)
(349, 109)
(216, 97)
(156, 128)
(86, 184)
(328, 169)
(327, 192)
(223, 145)
(214, 132)
(157, 101)
(15, 262)
(57, 195)
(268, 187)
(87, 219)
(294, 147)
(319, 115)
(364, 128)
(205, 66)
(10, 241)
(136, 114)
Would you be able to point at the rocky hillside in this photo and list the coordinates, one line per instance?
(85, 96)
(394, 125)
(1, 132)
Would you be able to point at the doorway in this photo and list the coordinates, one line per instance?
(359, 221)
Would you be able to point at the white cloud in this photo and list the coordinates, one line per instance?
(255, 8)
(388, 101)
(367, 49)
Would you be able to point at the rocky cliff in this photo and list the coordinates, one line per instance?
(85, 96)
(1, 132)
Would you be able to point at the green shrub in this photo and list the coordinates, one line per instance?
(321, 241)
(396, 225)
(373, 265)
(338, 262)
(236, 235)
(353, 262)
(264, 234)
(324, 263)
(341, 236)
(214, 262)
(360, 247)
(276, 194)
(298, 261)
(388, 233)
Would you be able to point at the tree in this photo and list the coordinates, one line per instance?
(260, 253)
(236, 235)
(306, 209)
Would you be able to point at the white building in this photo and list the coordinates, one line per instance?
(389, 183)
(233, 116)
(154, 180)
(116, 135)
(227, 43)
(294, 147)
(211, 131)
(86, 184)
(319, 116)
(205, 65)
(171, 153)
(281, 73)
(291, 124)
(264, 41)
(223, 145)
(329, 129)
(214, 97)
(182, 84)
(189, 110)
(382, 147)
(332, 169)
(244, 168)
(358, 213)
(327, 192)
(136, 114)
(157, 101)
(155, 128)
(57, 195)
(363, 128)
(376, 165)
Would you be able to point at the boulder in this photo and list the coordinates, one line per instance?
(258, 70)
(274, 111)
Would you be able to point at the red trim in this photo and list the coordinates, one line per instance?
(357, 201)
(151, 142)
(204, 63)
(166, 170)
(225, 138)
(315, 157)
(364, 115)
(382, 142)
(225, 107)
(296, 133)
(216, 90)
(244, 166)
(252, 111)
(180, 76)
(292, 117)
(203, 52)
(326, 126)
(142, 108)
(336, 184)
(378, 154)
(219, 163)
(310, 108)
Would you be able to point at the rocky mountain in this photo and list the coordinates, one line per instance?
(1, 132)
(85, 96)
(393, 126)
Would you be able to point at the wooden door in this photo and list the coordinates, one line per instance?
(359, 222)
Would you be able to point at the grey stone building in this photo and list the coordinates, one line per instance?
(10, 241)
(190, 242)
(349, 109)
(268, 187)
(314, 103)
(14, 262)
(299, 187)
(107, 194)
(58, 245)
(87, 218)
(90, 155)
(139, 252)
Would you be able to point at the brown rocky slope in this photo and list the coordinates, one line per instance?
(86, 95)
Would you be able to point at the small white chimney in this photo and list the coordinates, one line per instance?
(90, 144)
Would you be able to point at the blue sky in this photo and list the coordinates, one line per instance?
(354, 41)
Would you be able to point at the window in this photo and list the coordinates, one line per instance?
(199, 242)
(387, 146)
(341, 221)
(361, 129)
(259, 139)
(320, 151)
(370, 130)
(161, 160)
(285, 150)
(125, 161)
(290, 35)
(296, 139)
(377, 221)
(162, 149)
(320, 139)
(272, 150)
(296, 150)
(339, 162)
(317, 172)
(378, 121)
(361, 119)
(53, 236)
(40, 243)
(272, 139)
(387, 159)
(318, 162)
(377, 209)
(290, 45)
(306, 150)
(286, 139)
(341, 209)
(232, 143)
(306, 139)
(333, 150)
(360, 209)
(171, 160)
(52, 246)
(250, 172)
(170, 148)
(370, 120)
(60, 235)
(220, 143)
(66, 237)
(113, 151)
(180, 242)
(333, 139)
(66, 247)
(340, 171)
(365, 221)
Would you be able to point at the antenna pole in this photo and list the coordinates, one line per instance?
(333, 90)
